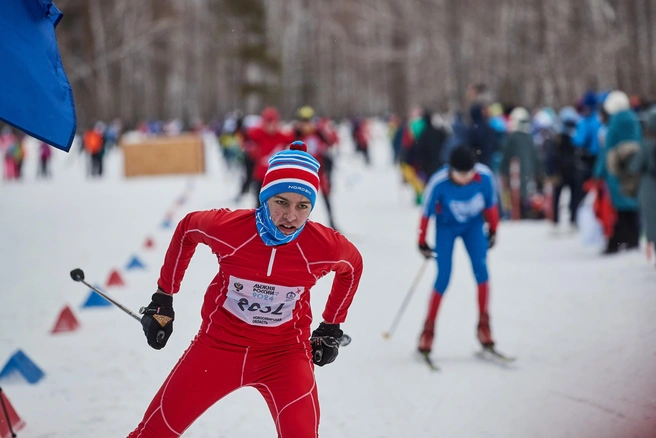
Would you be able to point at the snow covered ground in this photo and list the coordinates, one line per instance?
(581, 325)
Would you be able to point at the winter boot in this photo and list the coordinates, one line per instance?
(483, 331)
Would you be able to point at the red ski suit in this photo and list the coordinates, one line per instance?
(266, 144)
(255, 320)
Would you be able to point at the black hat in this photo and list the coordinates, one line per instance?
(462, 159)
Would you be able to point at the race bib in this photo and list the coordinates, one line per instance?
(258, 303)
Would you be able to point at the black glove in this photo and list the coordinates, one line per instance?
(157, 320)
(426, 250)
(491, 239)
(325, 343)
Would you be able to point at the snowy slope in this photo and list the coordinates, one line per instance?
(582, 326)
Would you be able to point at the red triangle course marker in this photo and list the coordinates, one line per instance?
(15, 423)
(66, 321)
(149, 243)
(115, 279)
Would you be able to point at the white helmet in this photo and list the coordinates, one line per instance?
(519, 115)
(542, 120)
(520, 120)
(615, 102)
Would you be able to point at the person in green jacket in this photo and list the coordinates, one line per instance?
(644, 164)
(623, 131)
(519, 144)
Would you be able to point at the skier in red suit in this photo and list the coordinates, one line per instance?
(256, 314)
(265, 141)
(319, 143)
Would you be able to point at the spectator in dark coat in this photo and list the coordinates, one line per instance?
(428, 147)
(482, 137)
(562, 164)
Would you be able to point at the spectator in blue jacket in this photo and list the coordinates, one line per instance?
(624, 133)
(586, 137)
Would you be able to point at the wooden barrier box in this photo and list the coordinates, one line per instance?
(182, 154)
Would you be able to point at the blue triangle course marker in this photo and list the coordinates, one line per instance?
(95, 300)
(135, 263)
(166, 223)
(19, 366)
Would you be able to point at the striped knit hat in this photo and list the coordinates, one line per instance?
(292, 170)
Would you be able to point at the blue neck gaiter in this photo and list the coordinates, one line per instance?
(270, 234)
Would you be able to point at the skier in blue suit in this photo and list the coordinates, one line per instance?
(462, 198)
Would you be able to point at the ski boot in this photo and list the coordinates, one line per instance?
(426, 338)
(484, 333)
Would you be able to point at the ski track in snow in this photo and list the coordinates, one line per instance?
(591, 404)
(581, 326)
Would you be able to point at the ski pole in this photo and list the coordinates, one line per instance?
(78, 275)
(406, 300)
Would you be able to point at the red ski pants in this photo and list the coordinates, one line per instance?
(209, 370)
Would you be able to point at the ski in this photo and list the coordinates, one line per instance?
(492, 353)
(425, 357)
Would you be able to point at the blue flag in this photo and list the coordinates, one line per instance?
(36, 96)
(20, 367)
(135, 263)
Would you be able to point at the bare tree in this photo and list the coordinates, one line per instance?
(198, 59)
